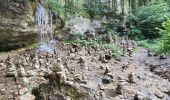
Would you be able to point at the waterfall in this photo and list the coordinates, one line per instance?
(45, 29)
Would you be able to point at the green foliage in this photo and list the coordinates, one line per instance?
(95, 8)
(150, 44)
(56, 6)
(146, 18)
(116, 51)
(165, 40)
(77, 35)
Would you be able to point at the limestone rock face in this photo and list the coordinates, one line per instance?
(17, 24)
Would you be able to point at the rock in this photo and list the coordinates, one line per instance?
(134, 44)
(62, 77)
(162, 56)
(119, 88)
(159, 94)
(149, 53)
(44, 70)
(57, 97)
(84, 81)
(58, 68)
(101, 67)
(105, 58)
(102, 94)
(130, 50)
(77, 78)
(32, 73)
(131, 78)
(2, 65)
(90, 35)
(27, 96)
(3, 90)
(12, 72)
(23, 91)
(36, 66)
(25, 80)
(41, 74)
(107, 70)
(124, 66)
(107, 80)
(81, 60)
(110, 75)
(22, 72)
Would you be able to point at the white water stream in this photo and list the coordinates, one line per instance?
(45, 29)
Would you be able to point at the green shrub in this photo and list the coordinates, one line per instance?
(143, 22)
(116, 51)
(165, 40)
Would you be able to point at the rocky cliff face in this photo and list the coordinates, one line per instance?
(17, 24)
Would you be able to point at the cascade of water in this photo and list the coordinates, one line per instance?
(45, 27)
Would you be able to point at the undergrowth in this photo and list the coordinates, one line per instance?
(116, 51)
